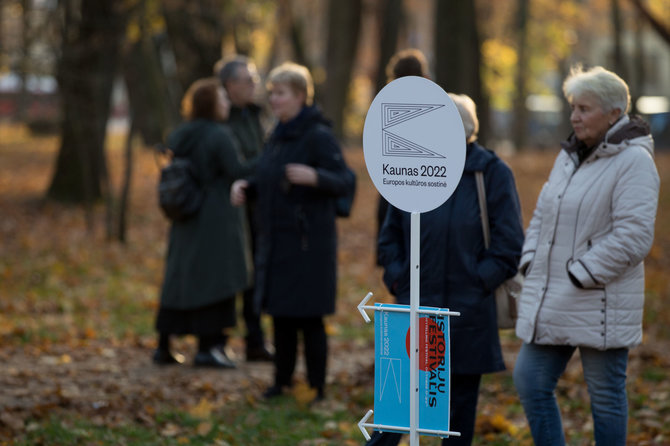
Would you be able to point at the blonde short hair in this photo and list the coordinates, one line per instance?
(468, 111)
(297, 77)
(606, 86)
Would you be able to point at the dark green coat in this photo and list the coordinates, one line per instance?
(245, 124)
(208, 256)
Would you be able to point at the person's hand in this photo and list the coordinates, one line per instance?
(238, 195)
(301, 174)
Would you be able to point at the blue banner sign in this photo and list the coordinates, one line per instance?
(392, 369)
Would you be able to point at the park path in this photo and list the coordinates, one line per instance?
(114, 384)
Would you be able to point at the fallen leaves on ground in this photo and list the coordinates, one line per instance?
(76, 317)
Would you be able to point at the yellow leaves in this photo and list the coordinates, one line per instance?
(492, 425)
(202, 410)
(499, 61)
(90, 333)
(332, 329)
(133, 32)
(503, 424)
(204, 428)
(7, 326)
(303, 394)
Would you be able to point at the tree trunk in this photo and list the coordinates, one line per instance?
(2, 33)
(122, 222)
(389, 17)
(617, 34)
(457, 42)
(657, 25)
(520, 129)
(289, 41)
(195, 30)
(344, 19)
(24, 64)
(638, 73)
(90, 52)
(296, 29)
(154, 109)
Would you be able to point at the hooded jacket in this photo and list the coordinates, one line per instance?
(296, 243)
(590, 231)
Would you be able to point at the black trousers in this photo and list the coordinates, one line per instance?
(464, 394)
(252, 321)
(286, 331)
(252, 317)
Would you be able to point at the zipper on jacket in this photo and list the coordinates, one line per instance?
(551, 247)
(303, 228)
(603, 327)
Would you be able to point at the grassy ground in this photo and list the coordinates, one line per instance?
(76, 314)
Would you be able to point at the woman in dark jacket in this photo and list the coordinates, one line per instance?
(299, 176)
(208, 258)
(458, 273)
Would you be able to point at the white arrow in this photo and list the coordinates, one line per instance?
(362, 422)
(361, 306)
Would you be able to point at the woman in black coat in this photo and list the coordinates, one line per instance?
(299, 176)
(458, 272)
(208, 259)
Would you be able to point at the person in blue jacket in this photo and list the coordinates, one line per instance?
(458, 273)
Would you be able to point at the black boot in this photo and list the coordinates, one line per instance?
(211, 353)
(165, 357)
(259, 353)
(162, 355)
(215, 357)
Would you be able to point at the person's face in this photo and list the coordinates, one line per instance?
(285, 102)
(242, 85)
(223, 103)
(589, 121)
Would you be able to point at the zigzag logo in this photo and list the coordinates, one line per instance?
(388, 369)
(393, 114)
(394, 145)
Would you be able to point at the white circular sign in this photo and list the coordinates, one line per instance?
(414, 144)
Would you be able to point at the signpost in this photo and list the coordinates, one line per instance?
(414, 147)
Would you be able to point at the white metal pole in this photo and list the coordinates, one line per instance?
(415, 250)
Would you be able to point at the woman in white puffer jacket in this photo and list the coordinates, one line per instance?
(583, 260)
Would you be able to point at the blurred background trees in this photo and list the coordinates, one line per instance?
(83, 67)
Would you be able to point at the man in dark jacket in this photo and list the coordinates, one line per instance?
(239, 77)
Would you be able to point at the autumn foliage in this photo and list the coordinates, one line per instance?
(76, 315)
